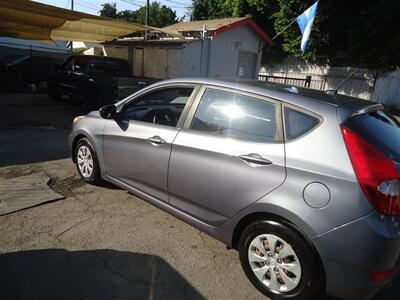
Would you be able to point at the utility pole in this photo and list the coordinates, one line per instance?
(147, 12)
(71, 42)
(147, 16)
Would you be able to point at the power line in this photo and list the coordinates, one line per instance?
(177, 2)
(90, 4)
(136, 3)
(83, 5)
(131, 2)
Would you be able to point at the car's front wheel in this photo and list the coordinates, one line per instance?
(87, 162)
(279, 262)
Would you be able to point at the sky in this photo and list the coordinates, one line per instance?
(93, 6)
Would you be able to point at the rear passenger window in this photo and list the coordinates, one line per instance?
(298, 123)
(237, 116)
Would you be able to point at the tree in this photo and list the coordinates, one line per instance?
(109, 10)
(208, 9)
(128, 15)
(360, 33)
(346, 33)
(160, 15)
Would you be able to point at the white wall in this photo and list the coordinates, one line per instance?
(165, 61)
(225, 47)
(366, 84)
(216, 57)
(387, 89)
(324, 78)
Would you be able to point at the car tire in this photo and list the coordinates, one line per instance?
(288, 270)
(87, 162)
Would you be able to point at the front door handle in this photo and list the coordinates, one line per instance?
(156, 140)
(256, 159)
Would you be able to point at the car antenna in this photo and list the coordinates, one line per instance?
(335, 91)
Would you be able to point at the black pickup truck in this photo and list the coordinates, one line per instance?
(96, 80)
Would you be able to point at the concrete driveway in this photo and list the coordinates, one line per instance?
(99, 242)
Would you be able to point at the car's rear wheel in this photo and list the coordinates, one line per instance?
(279, 262)
(87, 162)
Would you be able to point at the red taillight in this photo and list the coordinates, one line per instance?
(381, 276)
(376, 173)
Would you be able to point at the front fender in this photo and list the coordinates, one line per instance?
(91, 128)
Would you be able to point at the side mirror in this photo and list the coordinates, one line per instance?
(108, 111)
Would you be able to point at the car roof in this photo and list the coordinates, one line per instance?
(279, 91)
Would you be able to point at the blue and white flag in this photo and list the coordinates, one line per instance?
(305, 21)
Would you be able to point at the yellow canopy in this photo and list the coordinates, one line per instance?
(30, 20)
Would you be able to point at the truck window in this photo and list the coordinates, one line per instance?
(119, 67)
(112, 67)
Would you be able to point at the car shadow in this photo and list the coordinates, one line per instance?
(96, 274)
(33, 128)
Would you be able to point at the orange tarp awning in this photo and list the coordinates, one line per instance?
(30, 20)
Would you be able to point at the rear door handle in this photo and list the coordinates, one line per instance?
(156, 140)
(256, 159)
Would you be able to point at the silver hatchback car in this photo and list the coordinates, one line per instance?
(304, 184)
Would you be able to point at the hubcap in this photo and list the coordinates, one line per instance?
(274, 263)
(85, 161)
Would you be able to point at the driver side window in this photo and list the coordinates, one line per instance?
(69, 64)
(162, 107)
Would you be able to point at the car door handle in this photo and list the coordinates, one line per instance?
(256, 159)
(156, 140)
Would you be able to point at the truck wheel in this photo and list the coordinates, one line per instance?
(279, 262)
(90, 100)
(54, 93)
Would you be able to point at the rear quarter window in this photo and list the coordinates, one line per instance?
(380, 129)
(298, 123)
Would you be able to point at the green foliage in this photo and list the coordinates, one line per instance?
(109, 10)
(128, 15)
(362, 33)
(160, 15)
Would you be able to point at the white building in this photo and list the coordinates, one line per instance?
(211, 48)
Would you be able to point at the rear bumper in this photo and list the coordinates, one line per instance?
(350, 253)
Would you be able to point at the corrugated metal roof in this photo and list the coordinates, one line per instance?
(198, 25)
